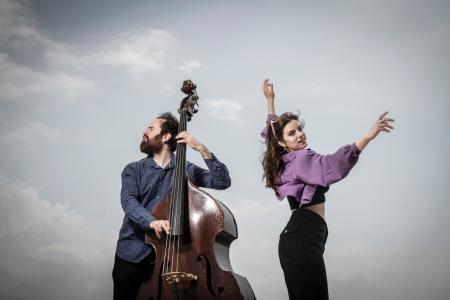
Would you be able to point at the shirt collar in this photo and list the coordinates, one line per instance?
(170, 165)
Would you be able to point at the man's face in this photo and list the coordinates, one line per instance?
(151, 138)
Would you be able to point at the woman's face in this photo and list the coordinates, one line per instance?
(293, 136)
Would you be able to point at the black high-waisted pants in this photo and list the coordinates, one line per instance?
(301, 247)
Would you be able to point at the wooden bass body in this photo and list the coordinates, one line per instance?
(203, 253)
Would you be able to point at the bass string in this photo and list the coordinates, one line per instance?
(175, 215)
(181, 200)
(173, 224)
(169, 237)
(178, 198)
(170, 240)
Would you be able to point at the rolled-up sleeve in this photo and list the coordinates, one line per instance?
(129, 199)
(314, 168)
(216, 177)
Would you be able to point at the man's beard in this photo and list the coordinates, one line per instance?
(152, 146)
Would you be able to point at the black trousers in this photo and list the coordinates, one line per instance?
(128, 276)
(301, 247)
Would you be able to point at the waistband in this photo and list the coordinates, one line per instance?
(307, 216)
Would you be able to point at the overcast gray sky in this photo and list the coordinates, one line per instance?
(79, 80)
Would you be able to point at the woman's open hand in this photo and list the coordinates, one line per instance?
(383, 123)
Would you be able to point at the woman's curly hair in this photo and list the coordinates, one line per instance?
(271, 158)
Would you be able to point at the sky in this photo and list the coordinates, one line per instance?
(80, 80)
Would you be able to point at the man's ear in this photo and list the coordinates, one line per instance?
(166, 137)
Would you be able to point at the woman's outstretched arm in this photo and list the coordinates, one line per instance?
(383, 123)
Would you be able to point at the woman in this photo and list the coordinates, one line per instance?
(294, 171)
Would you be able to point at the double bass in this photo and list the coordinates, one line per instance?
(192, 261)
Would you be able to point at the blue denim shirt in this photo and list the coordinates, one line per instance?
(144, 184)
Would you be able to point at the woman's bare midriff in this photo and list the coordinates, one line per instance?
(317, 208)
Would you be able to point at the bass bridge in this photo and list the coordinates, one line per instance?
(179, 278)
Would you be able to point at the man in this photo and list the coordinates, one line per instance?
(144, 183)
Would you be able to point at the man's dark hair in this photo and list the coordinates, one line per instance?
(170, 125)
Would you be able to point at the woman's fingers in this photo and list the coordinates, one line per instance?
(384, 125)
(267, 87)
(382, 115)
(265, 83)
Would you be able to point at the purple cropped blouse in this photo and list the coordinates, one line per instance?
(305, 169)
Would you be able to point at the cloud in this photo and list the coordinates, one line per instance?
(138, 53)
(53, 251)
(59, 55)
(135, 52)
(15, 21)
(189, 66)
(225, 109)
(19, 32)
(29, 131)
(22, 82)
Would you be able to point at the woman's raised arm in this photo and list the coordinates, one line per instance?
(270, 96)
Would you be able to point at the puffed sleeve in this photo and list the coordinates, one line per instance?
(313, 168)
